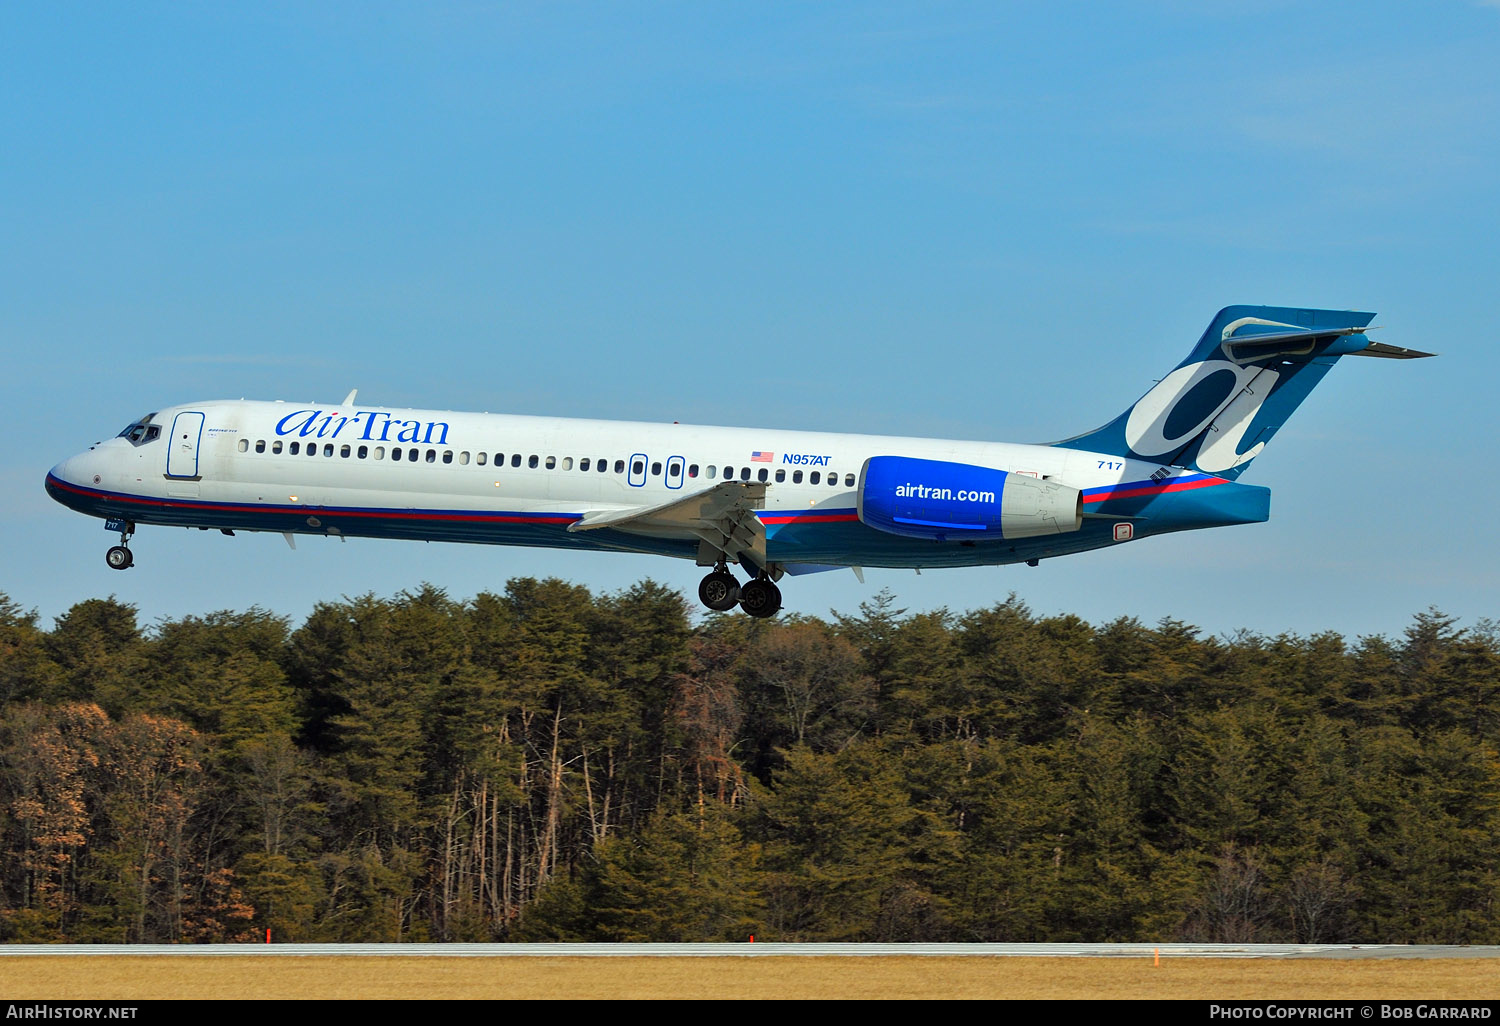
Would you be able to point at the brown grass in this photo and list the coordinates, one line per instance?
(797, 977)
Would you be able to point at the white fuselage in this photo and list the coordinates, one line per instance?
(438, 475)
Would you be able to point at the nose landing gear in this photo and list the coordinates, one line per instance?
(119, 557)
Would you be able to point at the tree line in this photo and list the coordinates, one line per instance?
(553, 764)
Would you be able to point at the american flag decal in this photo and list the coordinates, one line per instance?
(761, 457)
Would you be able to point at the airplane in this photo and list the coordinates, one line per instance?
(774, 502)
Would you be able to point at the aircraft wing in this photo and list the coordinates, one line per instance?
(722, 515)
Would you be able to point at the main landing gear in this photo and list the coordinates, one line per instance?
(119, 557)
(720, 592)
(760, 597)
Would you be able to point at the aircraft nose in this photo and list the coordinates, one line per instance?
(58, 478)
(66, 481)
(76, 470)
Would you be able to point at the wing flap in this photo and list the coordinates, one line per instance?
(723, 516)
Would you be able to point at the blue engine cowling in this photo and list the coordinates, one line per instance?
(960, 502)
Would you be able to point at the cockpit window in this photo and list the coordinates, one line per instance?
(142, 431)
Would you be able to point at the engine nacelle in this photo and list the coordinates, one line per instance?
(960, 502)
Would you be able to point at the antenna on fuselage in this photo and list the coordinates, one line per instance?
(349, 399)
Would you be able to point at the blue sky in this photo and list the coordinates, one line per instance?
(968, 220)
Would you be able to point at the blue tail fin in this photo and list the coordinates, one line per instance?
(1253, 366)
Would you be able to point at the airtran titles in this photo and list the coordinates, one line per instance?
(366, 425)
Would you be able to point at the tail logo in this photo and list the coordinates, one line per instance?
(1216, 396)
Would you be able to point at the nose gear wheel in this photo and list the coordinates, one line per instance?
(119, 557)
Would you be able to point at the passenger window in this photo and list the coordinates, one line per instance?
(603, 465)
(244, 445)
(780, 475)
(692, 470)
(567, 463)
(674, 469)
(619, 466)
(713, 471)
(276, 446)
(532, 463)
(294, 448)
(656, 470)
(380, 452)
(833, 479)
(796, 477)
(848, 480)
(729, 473)
(813, 477)
(395, 455)
(762, 474)
(364, 452)
(328, 450)
(744, 473)
(583, 464)
(447, 456)
(637, 467)
(463, 459)
(431, 455)
(344, 452)
(260, 445)
(479, 458)
(515, 460)
(551, 462)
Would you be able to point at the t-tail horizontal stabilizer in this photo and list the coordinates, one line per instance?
(1216, 410)
(1391, 352)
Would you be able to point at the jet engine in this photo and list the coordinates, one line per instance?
(961, 502)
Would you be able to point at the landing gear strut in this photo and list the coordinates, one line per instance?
(119, 557)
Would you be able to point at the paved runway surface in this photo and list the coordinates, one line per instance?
(770, 950)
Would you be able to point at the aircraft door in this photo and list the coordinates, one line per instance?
(182, 447)
(674, 472)
(637, 468)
